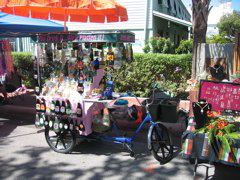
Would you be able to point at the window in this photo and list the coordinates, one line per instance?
(169, 4)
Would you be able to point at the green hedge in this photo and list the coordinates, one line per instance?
(138, 77)
(171, 71)
(24, 63)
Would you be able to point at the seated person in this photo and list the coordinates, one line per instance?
(3, 91)
(11, 83)
(217, 71)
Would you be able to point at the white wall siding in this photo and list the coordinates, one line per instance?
(136, 18)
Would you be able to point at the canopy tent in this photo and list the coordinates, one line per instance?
(17, 26)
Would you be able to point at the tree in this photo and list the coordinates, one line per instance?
(200, 12)
(229, 24)
(218, 39)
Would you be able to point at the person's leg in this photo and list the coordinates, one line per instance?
(3, 91)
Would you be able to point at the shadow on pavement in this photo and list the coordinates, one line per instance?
(113, 167)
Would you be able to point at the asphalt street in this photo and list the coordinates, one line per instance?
(24, 154)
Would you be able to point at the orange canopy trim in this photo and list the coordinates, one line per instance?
(67, 10)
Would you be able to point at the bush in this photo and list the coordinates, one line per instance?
(24, 63)
(147, 48)
(159, 45)
(140, 76)
(185, 47)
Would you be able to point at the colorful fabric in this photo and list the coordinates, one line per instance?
(233, 156)
(187, 146)
(198, 146)
(205, 146)
(6, 62)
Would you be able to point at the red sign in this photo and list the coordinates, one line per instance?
(221, 95)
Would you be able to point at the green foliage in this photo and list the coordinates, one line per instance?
(140, 76)
(24, 63)
(185, 47)
(221, 130)
(229, 24)
(147, 48)
(159, 45)
(218, 39)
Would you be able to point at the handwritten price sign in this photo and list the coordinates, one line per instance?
(222, 95)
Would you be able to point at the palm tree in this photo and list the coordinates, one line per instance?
(200, 12)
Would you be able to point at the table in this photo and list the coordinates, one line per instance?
(197, 146)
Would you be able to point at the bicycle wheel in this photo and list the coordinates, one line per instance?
(61, 142)
(159, 143)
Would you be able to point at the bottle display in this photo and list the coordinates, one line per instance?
(43, 105)
(74, 71)
(79, 110)
(37, 121)
(57, 107)
(41, 120)
(51, 122)
(38, 106)
(56, 124)
(63, 108)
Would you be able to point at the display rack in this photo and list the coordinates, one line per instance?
(78, 65)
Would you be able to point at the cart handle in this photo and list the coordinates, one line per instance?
(148, 104)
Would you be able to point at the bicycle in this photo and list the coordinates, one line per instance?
(159, 140)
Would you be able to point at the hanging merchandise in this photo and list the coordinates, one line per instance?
(110, 57)
(91, 56)
(64, 45)
(80, 72)
(131, 53)
(109, 89)
(66, 69)
(59, 46)
(127, 53)
(80, 52)
(80, 64)
(117, 57)
(96, 64)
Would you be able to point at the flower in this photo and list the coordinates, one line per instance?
(219, 133)
(210, 126)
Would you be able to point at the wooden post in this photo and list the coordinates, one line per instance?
(236, 63)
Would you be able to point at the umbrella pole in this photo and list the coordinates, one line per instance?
(65, 19)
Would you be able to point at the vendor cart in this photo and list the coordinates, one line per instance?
(78, 99)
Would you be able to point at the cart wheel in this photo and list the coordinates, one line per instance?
(159, 143)
(61, 142)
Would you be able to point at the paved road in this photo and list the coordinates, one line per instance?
(24, 154)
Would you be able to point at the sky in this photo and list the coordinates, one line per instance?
(235, 3)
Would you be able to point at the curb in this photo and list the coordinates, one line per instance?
(21, 109)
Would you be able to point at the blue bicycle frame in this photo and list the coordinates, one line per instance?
(127, 140)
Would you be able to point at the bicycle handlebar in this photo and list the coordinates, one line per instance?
(148, 104)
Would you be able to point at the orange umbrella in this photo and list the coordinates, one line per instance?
(98, 11)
